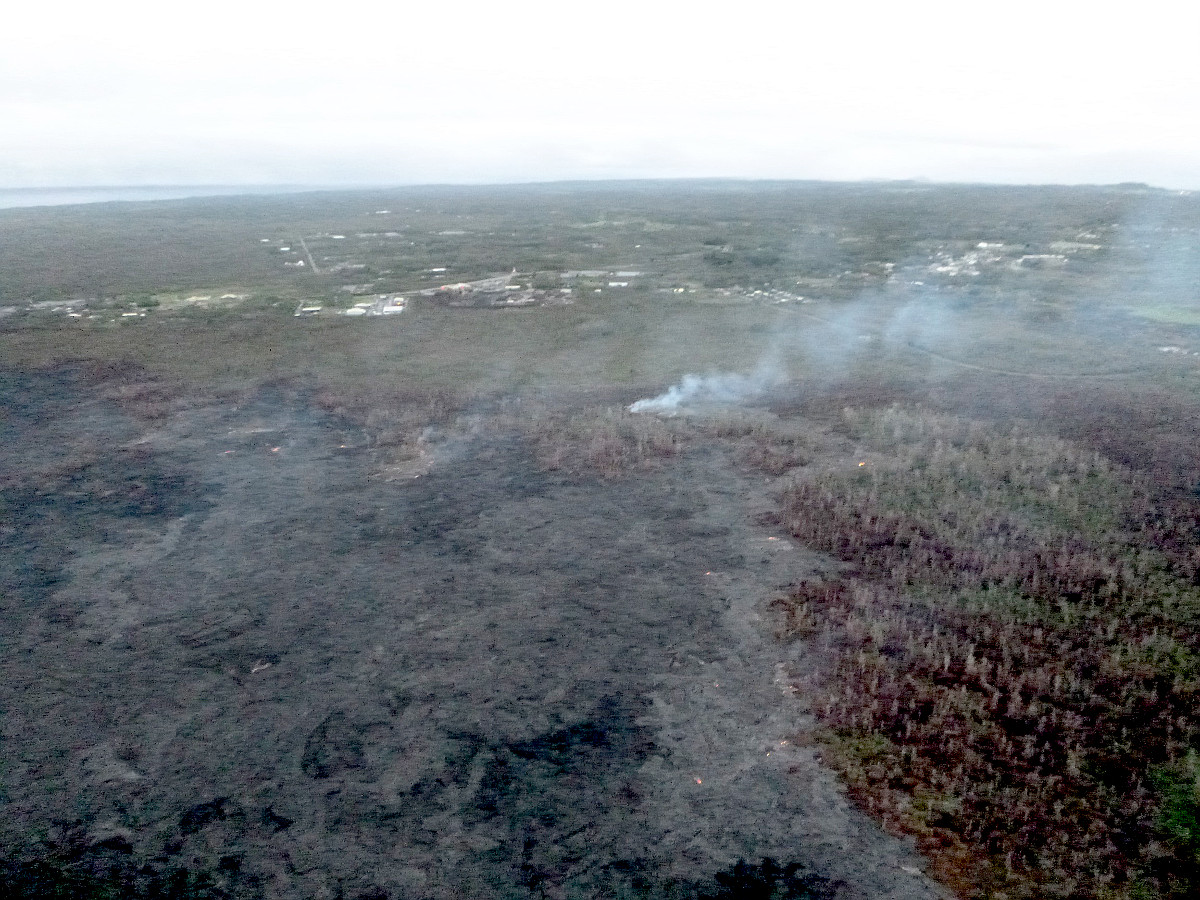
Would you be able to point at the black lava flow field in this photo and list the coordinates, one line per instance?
(235, 651)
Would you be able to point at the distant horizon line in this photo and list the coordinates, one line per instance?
(80, 195)
(389, 185)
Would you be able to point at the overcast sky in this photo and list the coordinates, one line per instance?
(351, 93)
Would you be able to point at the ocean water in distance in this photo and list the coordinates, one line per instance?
(65, 196)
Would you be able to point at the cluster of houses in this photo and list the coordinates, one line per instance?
(382, 305)
(495, 291)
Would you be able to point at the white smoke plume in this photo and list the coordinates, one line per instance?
(723, 389)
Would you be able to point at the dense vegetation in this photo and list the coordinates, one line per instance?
(1017, 655)
(828, 239)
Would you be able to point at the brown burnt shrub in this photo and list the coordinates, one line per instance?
(1013, 658)
(607, 442)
